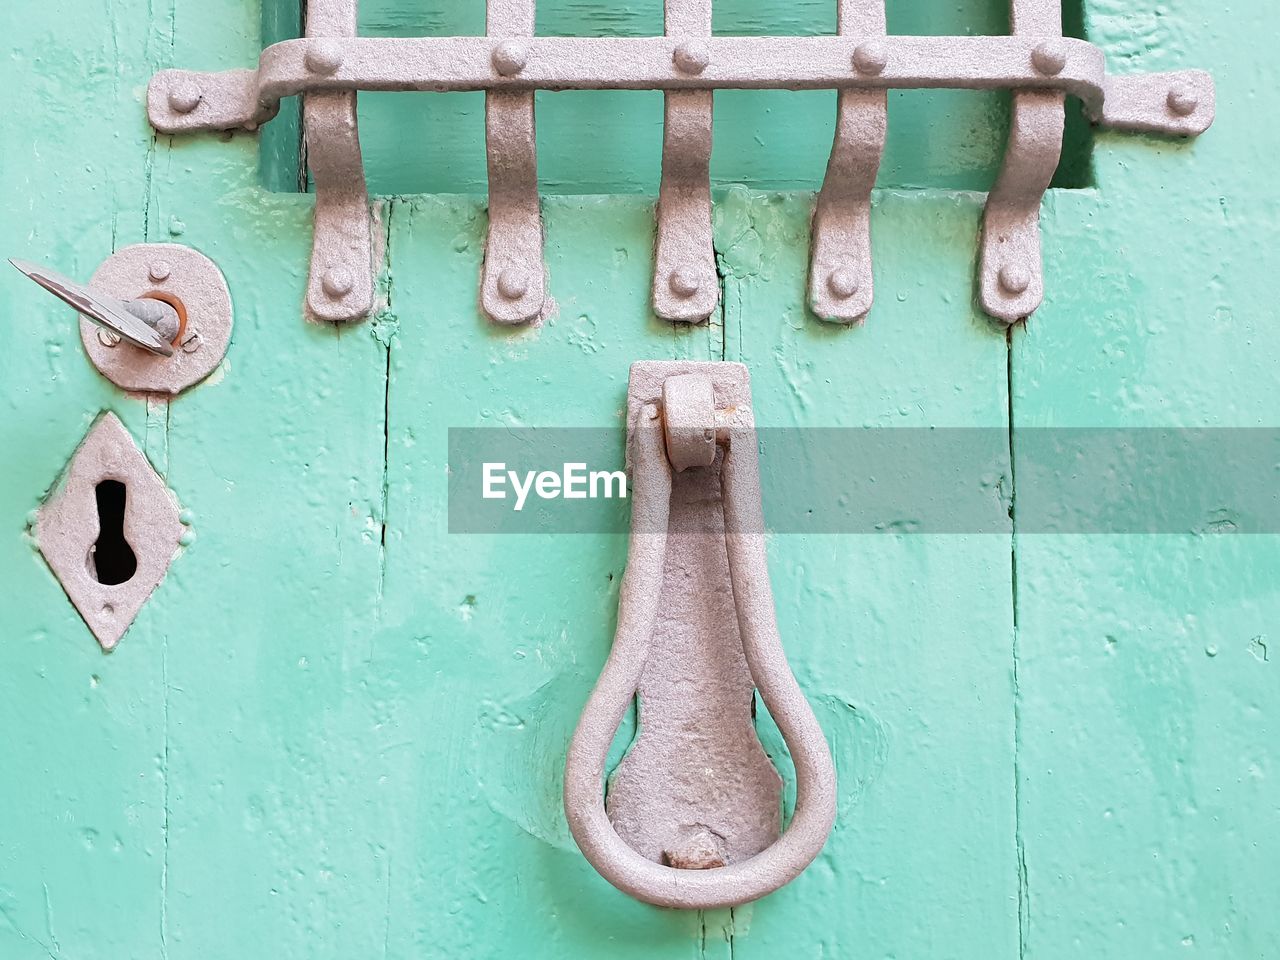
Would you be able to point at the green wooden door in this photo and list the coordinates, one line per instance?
(338, 730)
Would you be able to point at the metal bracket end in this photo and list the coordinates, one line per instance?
(1180, 103)
(182, 101)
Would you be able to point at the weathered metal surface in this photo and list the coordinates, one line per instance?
(67, 528)
(840, 281)
(685, 285)
(689, 421)
(193, 282)
(1037, 62)
(512, 283)
(340, 287)
(693, 812)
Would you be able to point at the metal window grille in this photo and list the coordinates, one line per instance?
(860, 61)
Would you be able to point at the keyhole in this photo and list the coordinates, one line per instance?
(111, 559)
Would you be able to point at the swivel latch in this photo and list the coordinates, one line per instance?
(155, 318)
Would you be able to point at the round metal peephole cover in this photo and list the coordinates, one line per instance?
(169, 272)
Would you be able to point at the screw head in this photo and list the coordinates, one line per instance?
(158, 271)
(692, 56)
(337, 283)
(108, 338)
(323, 56)
(843, 282)
(509, 58)
(684, 282)
(1014, 279)
(513, 283)
(1182, 100)
(870, 58)
(1049, 58)
(184, 97)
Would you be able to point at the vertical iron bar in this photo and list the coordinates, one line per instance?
(840, 282)
(512, 284)
(340, 287)
(685, 285)
(1012, 276)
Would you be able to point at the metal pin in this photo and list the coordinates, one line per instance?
(513, 284)
(509, 58)
(870, 58)
(1182, 100)
(843, 282)
(691, 57)
(1050, 58)
(684, 282)
(184, 97)
(324, 56)
(1014, 279)
(337, 283)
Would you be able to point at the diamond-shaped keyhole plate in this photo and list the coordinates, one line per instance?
(70, 525)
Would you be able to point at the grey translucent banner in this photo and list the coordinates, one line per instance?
(898, 481)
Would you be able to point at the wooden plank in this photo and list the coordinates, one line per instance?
(1146, 664)
(490, 643)
(267, 617)
(902, 641)
(83, 792)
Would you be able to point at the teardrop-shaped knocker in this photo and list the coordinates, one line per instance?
(693, 816)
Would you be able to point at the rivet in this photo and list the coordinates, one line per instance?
(158, 271)
(337, 283)
(323, 56)
(870, 58)
(1182, 100)
(107, 337)
(684, 282)
(842, 282)
(513, 283)
(691, 57)
(1014, 278)
(184, 97)
(509, 58)
(1049, 58)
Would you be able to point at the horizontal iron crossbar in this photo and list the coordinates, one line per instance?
(246, 98)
